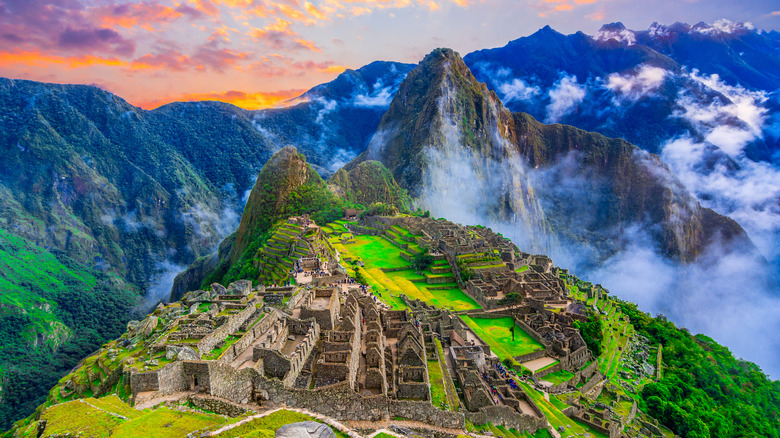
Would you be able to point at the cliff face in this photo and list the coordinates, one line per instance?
(460, 153)
(448, 140)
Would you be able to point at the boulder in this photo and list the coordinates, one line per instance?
(305, 429)
(241, 287)
(171, 351)
(218, 289)
(188, 353)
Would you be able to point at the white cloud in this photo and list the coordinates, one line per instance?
(565, 95)
(635, 86)
(517, 90)
(621, 35)
(379, 98)
(730, 124)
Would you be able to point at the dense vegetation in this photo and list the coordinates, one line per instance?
(70, 310)
(592, 332)
(705, 391)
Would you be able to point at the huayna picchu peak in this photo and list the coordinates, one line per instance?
(461, 247)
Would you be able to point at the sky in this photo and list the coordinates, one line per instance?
(260, 53)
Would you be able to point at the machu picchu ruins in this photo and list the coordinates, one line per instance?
(319, 324)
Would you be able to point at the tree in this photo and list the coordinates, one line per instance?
(592, 333)
(422, 260)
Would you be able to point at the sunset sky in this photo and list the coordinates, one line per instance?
(256, 53)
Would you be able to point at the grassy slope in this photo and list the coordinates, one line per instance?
(53, 312)
(495, 331)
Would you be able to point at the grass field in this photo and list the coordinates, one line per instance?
(267, 426)
(438, 393)
(495, 331)
(377, 254)
(109, 416)
(558, 377)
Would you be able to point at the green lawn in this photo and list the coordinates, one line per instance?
(495, 331)
(267, 426)
(167, 423)
(438, 393)
(558, 377)
(377, 253)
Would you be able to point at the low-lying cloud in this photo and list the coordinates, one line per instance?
(634, 86)
(565, 95)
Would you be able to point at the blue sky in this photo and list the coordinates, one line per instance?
(256, 53)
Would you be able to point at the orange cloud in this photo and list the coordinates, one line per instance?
(38, 59)
(142, 15)
(596, 16)
(250, 101)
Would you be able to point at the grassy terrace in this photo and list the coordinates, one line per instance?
(616, 332)
(556, 417)
(109, 416)
(438, 393)
(495, 331)
(106, 417)
(379, 254)
(558, 377)
(267, 426)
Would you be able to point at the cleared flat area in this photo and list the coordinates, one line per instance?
(538, 364)
(320, 303)
(496, 332)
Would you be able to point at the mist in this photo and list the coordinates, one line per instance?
(729, 293)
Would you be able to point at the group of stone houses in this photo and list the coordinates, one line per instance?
(302, 345)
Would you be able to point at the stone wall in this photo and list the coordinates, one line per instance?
(246, 341)
(173, 379)
(218, 406)
(342, 403)
(197, 375)
(235, 321)
(505, 416)
(231, 384)
(591, 383)
(531, 332)
(531, 356)
(325, 317)
(143, 382)
(541, 373)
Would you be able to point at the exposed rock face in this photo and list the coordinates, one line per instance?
(305, 429)
(451, 143)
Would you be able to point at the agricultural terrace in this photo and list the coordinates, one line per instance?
(616, 329)
(495, 331)
(386, 268)
(110, 416)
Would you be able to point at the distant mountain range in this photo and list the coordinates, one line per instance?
(132, 197)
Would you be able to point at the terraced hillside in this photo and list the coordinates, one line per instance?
(384, 262)
(289, 242)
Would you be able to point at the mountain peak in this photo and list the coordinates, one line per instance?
(618, 32)
(286, 185)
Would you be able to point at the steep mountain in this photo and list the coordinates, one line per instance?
(452, 144)
(702, 97)
(288, 186)
(634, 85)
(368, 182)
(136, 195)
